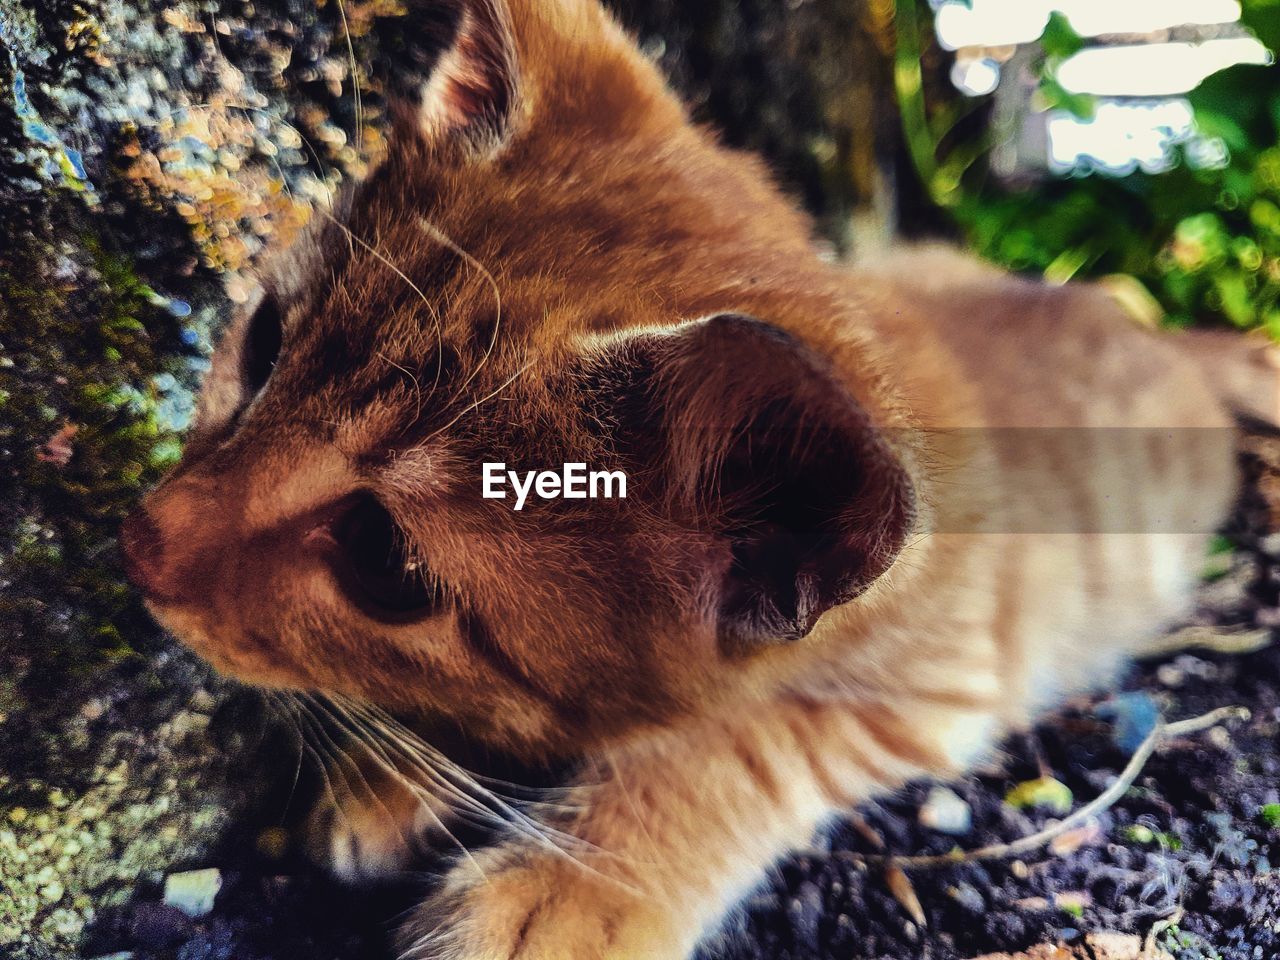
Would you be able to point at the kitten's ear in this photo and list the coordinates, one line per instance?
(762, 444)
(469, 92)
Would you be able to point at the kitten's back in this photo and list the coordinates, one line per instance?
(1083, 463)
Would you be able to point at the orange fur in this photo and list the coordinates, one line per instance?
(520, 281)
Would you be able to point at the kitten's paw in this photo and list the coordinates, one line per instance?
(535, 905)
(373, 835)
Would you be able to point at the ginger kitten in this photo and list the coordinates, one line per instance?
(873, 518)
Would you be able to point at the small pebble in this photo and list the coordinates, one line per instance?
(193, 891)
(947, 812)
(1270, 545)
(1139, 833)
(967, 895)
(1219, 737)
(805, 914)
(1071, 841)
(1073, 901)
(1134, 715)
(202, 701)
(1043, 793)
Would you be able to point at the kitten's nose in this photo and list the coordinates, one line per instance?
(142, 548)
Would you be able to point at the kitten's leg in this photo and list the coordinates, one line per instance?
(683, 825)
(370, 819)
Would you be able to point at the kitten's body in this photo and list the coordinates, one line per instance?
(982, 559)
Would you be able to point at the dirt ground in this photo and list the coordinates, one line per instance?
(190, 774)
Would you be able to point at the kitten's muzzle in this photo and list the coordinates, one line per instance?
(142, 548)
(169, 562)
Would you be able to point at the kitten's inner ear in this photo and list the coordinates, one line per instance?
(470, 95)
(764, 446)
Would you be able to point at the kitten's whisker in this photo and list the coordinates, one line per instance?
(344, 756)
(248, 108)
(635, 810)
(386, 261)
(355, 79)
(368, 738)
(489, 396)
(417, 388)
(494, 811)
(424, 766)
(319, 760)
(329, 761)
(378, 756)
(279, 713)
(388, 726)
(558, 842)
(446, 241)
(424, 943)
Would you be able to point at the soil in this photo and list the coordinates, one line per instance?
(1192, 841)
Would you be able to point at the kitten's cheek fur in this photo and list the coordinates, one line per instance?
(260, 661)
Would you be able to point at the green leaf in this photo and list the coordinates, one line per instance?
(1263, 18)
(1270, 814)
(1060, 39)
(1137, 833)
(1237, 301)
(1043, 793)
(1213, 123)
(1053, 95)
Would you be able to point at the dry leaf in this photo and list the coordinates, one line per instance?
(57, 449)
(900, 886)
(1073, 840)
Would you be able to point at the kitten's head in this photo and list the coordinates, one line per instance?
(550, 267)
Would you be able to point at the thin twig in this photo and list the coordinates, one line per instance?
(1000, 851)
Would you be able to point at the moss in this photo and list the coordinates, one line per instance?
(104, 249)
(78, 431)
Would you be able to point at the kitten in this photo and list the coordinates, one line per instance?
(874, 518)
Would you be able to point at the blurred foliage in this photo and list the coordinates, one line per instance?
(77, 330)
(1204, 243)
(80, 439)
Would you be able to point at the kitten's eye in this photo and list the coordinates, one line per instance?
(376, 570)
(262, 342)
